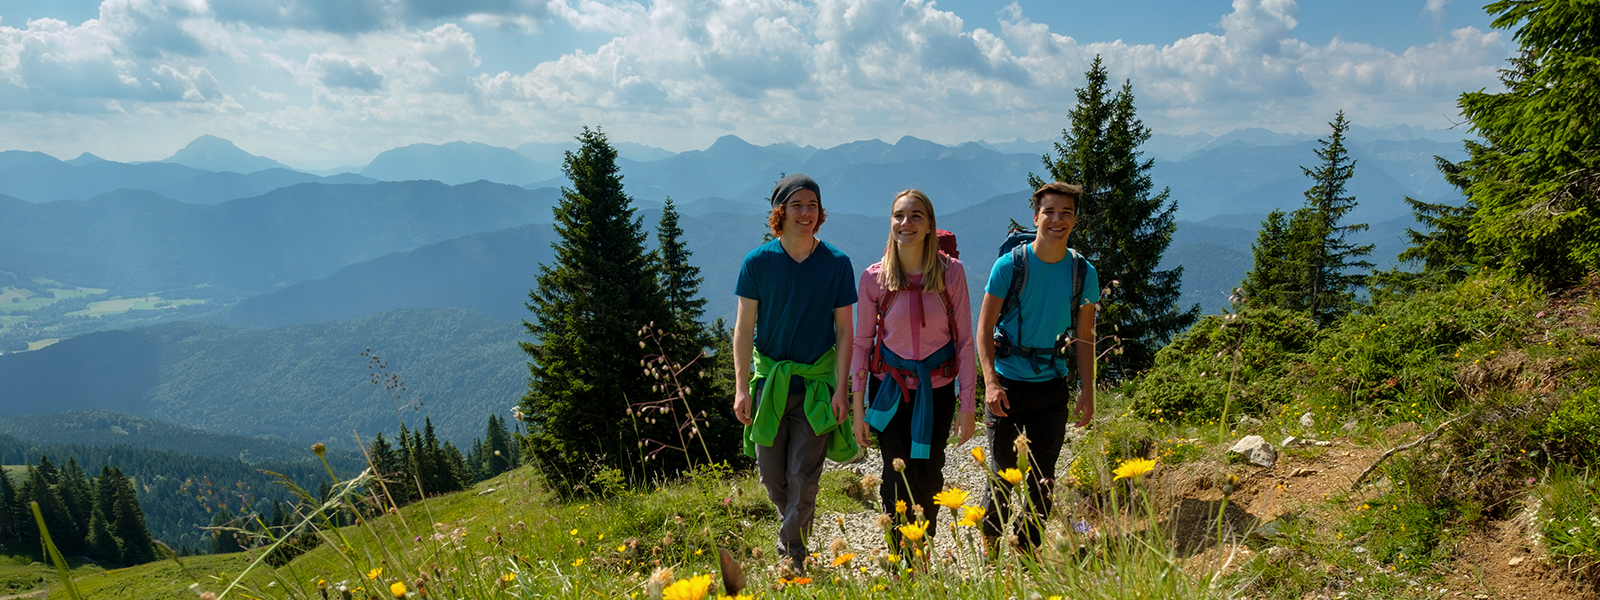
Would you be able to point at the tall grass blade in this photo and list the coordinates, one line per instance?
(55, 555)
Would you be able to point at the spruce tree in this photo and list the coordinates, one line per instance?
(127, 523)
(223, 539)
(587, 311)
(456, 467)
(497, 452)
(1124, 226)
(78, 496)
(475, 461)
(1275, 276)
(103, 546)
(57, 518)
(10, 510)
(1333, 265)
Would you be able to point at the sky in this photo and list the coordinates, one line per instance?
(324, 83)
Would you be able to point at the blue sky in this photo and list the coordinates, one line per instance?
(320, 83)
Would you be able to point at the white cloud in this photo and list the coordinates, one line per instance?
(1435, 8)
(349, 79)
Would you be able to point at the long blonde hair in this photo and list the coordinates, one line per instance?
(892, 277)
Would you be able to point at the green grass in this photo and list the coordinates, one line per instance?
(15, 300)
(116, 306)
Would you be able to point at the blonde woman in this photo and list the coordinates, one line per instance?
(913, 345)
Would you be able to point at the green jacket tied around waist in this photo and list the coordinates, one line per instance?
(771, 378)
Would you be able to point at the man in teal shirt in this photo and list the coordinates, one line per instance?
(794, 319)
(1028, 391)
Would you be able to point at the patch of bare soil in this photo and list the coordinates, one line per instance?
(1500, 562)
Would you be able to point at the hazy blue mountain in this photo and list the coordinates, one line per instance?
(490, 273)
(554, 154)
(106, 428)
(83, 159)
(216, 154)
(304, 383)
(458, 162)
(212, 188)
(726, 169)
(136, 241)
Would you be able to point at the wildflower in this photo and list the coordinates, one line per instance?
(573, 532)
(843, 558)
(914, 531)
(577, 563)
(1011, 475)
(900, 506)
(971, 515)
(398, 588)
(1021, 444)
(952, 498)
(374, 573)
(508, 577)
(693, 588)
(894, 558)
(977, 454)
(837, 546)
(318, 449)
(1134, 468)
(884, 521)
(899, 465)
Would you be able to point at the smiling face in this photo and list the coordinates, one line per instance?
(1056, 215)
(801, 213)
(909, 223)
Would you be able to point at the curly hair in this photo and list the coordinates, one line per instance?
(775, 220)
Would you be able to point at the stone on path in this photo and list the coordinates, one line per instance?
(1256, 451)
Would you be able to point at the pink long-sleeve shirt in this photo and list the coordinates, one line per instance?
(910, 338)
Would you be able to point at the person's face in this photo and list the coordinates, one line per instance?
(800, 213)
(1056, 215)
(908, 222)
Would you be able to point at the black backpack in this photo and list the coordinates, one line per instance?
(1016, 244)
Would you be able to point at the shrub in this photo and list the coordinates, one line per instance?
(1574, 429)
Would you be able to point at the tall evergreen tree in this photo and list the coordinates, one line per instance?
(1536, 178)
(390, 467)
(1331, 284)
(102, 545)
(456, 467)
(1274, 279)
(587, 311)
(497, 455)
(224, 540)
(47, 469)
(56, 516)
(78, 496)
(1124, 226)
(127, 523)
(11, 523)
(1443, 248)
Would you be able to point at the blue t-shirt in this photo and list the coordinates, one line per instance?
(1044, 300)
(794, 320)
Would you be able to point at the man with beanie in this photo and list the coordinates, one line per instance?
(794, 327)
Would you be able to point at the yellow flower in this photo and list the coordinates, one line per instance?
(508, 577)
(693, 588)
(952, 498)
(621, 547)
(374, 573)
(1012, 475)
(894, 558)
(972, 515)
(398, 588)
(977, 454)
(843, 558)
(1135, 467)
(577, 563)
(914, 531)
(900, 506)
(573, 532)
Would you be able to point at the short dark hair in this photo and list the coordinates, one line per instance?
(1070, 190)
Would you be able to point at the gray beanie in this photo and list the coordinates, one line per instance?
(791, 184)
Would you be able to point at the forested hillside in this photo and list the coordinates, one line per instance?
(98, 427)
(305, 383)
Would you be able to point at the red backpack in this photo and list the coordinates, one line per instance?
(947, 247)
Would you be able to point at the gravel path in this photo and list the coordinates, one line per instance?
(861, 532)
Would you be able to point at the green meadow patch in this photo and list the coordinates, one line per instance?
(15, 300)
(117, 306)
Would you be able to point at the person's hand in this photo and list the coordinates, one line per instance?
(861, 431)
(841, 405)
(994, 396)
(741, 406)
(966, 423)
(1085, 407)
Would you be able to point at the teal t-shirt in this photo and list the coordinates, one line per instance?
(794, 320)
(1044, 309)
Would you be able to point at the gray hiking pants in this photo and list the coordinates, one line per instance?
(791, 469)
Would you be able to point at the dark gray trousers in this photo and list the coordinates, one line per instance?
(791, 470)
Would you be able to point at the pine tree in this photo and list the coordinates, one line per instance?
(78, 496)
(1536, 178)
(48, 470)
(56, 516)
(456, 466)
(224, 541)
(475, 461)
(1330, 284)
(102, 545)
(390, 467)
(127, 522)
(587, 311)
(1273, 279)
(497, 451)
(11, 528)
(1124, 226)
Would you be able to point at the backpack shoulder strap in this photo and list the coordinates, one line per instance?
(1080, 271)
(1019, 278)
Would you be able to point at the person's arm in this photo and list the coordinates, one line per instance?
(744, 337)
(868, 295)
(966, 371)
(1086, 355)
(844, 336)
(994, 396)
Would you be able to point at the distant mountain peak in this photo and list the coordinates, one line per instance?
(84, 159)
(212, 153)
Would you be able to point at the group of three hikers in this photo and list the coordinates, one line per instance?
(911, 346)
